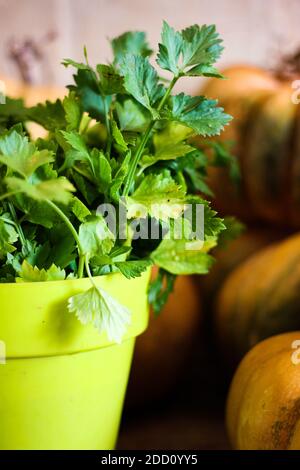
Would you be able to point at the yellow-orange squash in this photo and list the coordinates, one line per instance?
(228, 257)
(260, 298)
(162, 351)
(264, 131)
(263, 406)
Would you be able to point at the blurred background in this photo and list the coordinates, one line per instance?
(255, 32)
(184, 363)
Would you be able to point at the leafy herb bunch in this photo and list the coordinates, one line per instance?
(121, 137)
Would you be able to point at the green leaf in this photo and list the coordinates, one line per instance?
(200, 114)
(49, 115)
(88, 90)
(77, 65)
(172, 151)
(167, 147)
(79, 209)
(59, 249)
(169, 152)
(76, 141)
(201, 45)
(86, 188)
(110, 80)
(169, 144)
(118, 137)
(132, 42)
(8, 236)
(159, 290)
(73, 112)
(78, 151)
(37, 254)
(224, 158)
(204, 70)
(13, 111)
(58, 190)
(100, 309)
(234, 228)
(63, 250)
(30, 273)
(35, 212)
(7, 274)
(176, 257)
(194, 167)
(132, 116)
(21, 156)
(119, 177)
(141, 81)
(212, 225)
(95, 237)
(169, 49)
(102, 170)
(159, 196)
(195, 48)
(131, 269)
(173, 132)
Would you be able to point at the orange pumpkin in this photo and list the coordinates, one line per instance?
(264, 133)
(231, 255)
(263, 407)
(260, 298)
(162, 351)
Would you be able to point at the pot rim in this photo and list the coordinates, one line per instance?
(60, 282)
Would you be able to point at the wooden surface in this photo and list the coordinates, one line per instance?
(175, 428)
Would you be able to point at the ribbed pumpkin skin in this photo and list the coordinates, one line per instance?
(293, 201)
(235, 252)
(264, 132)
(244, 87)
(266, 155)
(259, 299)
(263, 406)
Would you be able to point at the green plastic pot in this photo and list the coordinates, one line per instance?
(63, 384)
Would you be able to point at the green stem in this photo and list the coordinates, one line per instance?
(106, 113)
(83, 173)
(141, 147)
(18, 226)
(6, 195)
(80, 266)
(87, 268)
(136, 158)
(84, 123)
(168, 92)
(108, 120)
(74, 233)
(9, 222)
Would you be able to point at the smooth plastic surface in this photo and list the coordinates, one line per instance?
(63, 385)
(34, 320)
